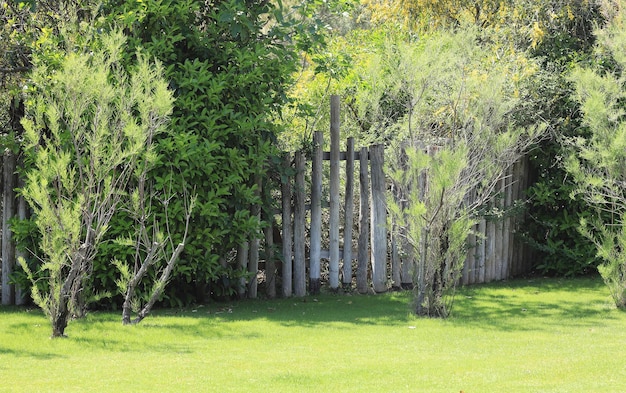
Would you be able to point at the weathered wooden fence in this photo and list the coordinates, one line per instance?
(496, 254)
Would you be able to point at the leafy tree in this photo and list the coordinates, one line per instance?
(229, 63)
(464, 108)
(597, 159)
(87, 126)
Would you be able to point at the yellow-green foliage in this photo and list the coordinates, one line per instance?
(88, 126)
(597, 160)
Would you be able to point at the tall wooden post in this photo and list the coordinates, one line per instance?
(243, 255)
(349, 215)
(8, 248)
(316, 214)
(270, 263)
(364, 227)
(334, 194)
(20, 293)
(253, 262)
(299, 271)
(379, 220)
(287, 229)
(396, 239)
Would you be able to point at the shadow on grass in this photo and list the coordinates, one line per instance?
(30, 354)
(538, 304)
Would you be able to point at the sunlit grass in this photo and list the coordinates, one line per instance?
(519, 336)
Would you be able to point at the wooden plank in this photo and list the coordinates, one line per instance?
(333, 265)
(396, 263)
(21, 293)
(344, 155)
(349, 217)
(299, 270)
(253, 262)
(287, 229)
(498, 236)
(8, 248)
(243, 254)
(316, 214)
(364, 227)
(378, 220)
(270, 263)
(508, 204)
(482, 229)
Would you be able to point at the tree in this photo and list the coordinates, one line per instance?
(460, 135)
(229, 63)
(88, 125)
(597, 159)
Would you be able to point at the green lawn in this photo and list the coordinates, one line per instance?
(541, 335)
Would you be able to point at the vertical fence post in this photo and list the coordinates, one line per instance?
(316, 213)
(364, 228)
(334, 194)
(20, 293)
(8, 248)
(480, 252)
(379, 220)
(396, 239)
(508, 202)
(285, 184)
(253, 262)
(349, 215)
(270, 263)
(499, 238)
(299, 271)
(243, 254)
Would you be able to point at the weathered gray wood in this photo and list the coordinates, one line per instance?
(8, 211)
(490, 256)
(255, 241)
(396, 263)
(333, 265)
(498, 236)
(287, 234)
(364, 228)
(270, 262)
(482, 226)
(243, 254)
(517, 195)
(299, 270)
(316, 214)
(349, 216)
(21, 293)
(507, 223)
(379, 220)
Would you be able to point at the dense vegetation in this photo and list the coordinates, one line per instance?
(250, 78)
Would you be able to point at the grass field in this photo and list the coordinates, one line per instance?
(543, 335)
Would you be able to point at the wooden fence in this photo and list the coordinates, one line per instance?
(496, 253)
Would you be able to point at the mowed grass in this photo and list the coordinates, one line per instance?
(541, 335)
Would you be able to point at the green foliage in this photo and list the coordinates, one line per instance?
(88, 124)
(596, 160)
(464, 108)
(229, 63)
